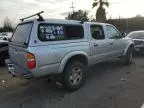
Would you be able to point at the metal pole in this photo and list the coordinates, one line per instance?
(127, 25)
(72, 7)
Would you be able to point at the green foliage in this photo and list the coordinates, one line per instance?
(7, 26)
(128, 25)
(78, 15)
(100, 13)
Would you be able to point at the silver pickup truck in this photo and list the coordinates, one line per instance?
(64, 48)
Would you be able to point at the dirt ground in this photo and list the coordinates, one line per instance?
(109, 85)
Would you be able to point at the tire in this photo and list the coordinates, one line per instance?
(74, 75)
(3, 57)
(128, 58)
(5, 39)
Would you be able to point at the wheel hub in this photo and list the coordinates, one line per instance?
(76, 75)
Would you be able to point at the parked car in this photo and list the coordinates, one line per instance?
(2, 34)
(138, 38)
(64, 49)
(5, 36)
(3, 51)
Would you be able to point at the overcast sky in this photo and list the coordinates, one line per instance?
(15, 9)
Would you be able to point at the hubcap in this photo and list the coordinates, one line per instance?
(76, 75)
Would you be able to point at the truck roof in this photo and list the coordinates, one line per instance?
(63, 21)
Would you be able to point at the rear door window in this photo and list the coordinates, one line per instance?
(97, 32)
(22, 33)
(57, 32)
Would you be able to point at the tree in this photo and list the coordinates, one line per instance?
(7, 25)
(139, 16)
(78, 15)
(100, 14)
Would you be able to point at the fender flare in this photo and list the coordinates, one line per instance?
(67, 57)
(125, 51)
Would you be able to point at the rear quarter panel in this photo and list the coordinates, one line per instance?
(50, 57)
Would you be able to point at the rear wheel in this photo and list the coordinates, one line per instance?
(73, 76)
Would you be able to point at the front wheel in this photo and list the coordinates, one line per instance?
(128, 58)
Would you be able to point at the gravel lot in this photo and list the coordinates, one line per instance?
(109, 85)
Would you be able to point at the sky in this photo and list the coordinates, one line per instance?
(16, 9)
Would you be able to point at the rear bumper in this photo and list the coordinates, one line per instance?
(17, 71)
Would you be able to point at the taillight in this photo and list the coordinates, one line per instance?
(31, 62)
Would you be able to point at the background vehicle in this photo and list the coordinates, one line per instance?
(138, 38)
(3, 51)
(2, 34)
(65, 49)
(5, 36)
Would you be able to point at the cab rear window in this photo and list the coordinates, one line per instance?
(22, 33)
(57, 32)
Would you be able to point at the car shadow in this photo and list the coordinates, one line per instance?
(105, 67)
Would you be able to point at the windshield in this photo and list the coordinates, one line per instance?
(22, 33)
(136, 35)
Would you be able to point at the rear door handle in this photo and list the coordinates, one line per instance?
(95, 44)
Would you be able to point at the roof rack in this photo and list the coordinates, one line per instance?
(37, 14)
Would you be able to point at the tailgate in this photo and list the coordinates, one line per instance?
(17, 55)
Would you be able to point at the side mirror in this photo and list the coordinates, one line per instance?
(123, 34)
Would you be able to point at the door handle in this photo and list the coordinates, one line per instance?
(95, 44)
(111, 43)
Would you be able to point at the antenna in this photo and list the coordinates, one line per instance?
(37, 14)
(72, 7)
